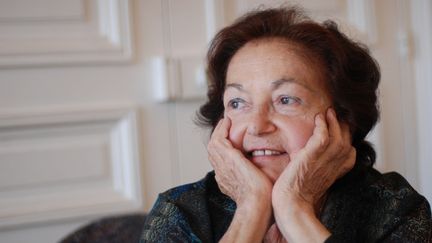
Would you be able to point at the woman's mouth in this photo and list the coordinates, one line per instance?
(270, 161)
(264, 152)
(261, 156)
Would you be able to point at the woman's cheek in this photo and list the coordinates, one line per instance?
(297, 132)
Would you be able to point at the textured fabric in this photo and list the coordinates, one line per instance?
(196, 212)
(363, 206)
(119, 229)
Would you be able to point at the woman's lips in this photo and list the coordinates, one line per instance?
(262, 157)
(265, 152)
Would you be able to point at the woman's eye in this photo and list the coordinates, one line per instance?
(235, 103)
(287, 100)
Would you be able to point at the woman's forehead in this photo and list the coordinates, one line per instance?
(273, 59)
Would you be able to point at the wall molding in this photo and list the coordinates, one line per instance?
(114, 185)
(100, 34)
(421, 24)
(215, 17)
(407, 94)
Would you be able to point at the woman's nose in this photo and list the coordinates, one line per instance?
(260, 123)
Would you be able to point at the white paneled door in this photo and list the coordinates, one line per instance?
(98, 97)
(68, 149)
(94, 96)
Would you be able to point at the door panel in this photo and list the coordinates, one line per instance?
(97, 101)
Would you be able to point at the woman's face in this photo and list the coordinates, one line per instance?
(272, 95)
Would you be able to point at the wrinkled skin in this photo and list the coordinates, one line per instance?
(279, 142)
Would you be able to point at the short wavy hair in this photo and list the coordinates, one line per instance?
(351, 74)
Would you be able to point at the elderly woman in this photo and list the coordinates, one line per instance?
(290, 102)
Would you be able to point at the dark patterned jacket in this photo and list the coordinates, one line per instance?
(363, 206)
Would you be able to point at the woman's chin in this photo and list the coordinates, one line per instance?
(271, 166)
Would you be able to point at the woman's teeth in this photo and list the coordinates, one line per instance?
(265, 152)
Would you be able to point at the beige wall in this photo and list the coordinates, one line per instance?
(97, 100)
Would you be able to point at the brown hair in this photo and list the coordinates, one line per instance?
(352, 75)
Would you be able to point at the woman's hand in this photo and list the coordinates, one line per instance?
(238, 178)
(327, 156)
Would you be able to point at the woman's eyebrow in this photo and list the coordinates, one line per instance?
(276, 84)
(234, 85)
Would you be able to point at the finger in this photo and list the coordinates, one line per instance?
(217, 128)
(334, 128)
(349, 162)
(215, 160)
(222, 129)
(225, 154)
(222, 153)
(318, 142)
(346, 133)
(337, 145)
(217, 139)
(226, 125)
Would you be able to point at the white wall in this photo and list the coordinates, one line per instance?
(97, 100)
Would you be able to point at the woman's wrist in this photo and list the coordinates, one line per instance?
(297, 219)
(250, 223)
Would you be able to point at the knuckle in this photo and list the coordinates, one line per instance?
(347, 167)
(340, 147)
(210, 146)
(323, 141)
(212, 161)
(217, 144)
(218, 179)
(232, 153)
(353, 154)
(350, 162)
(306, 157)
